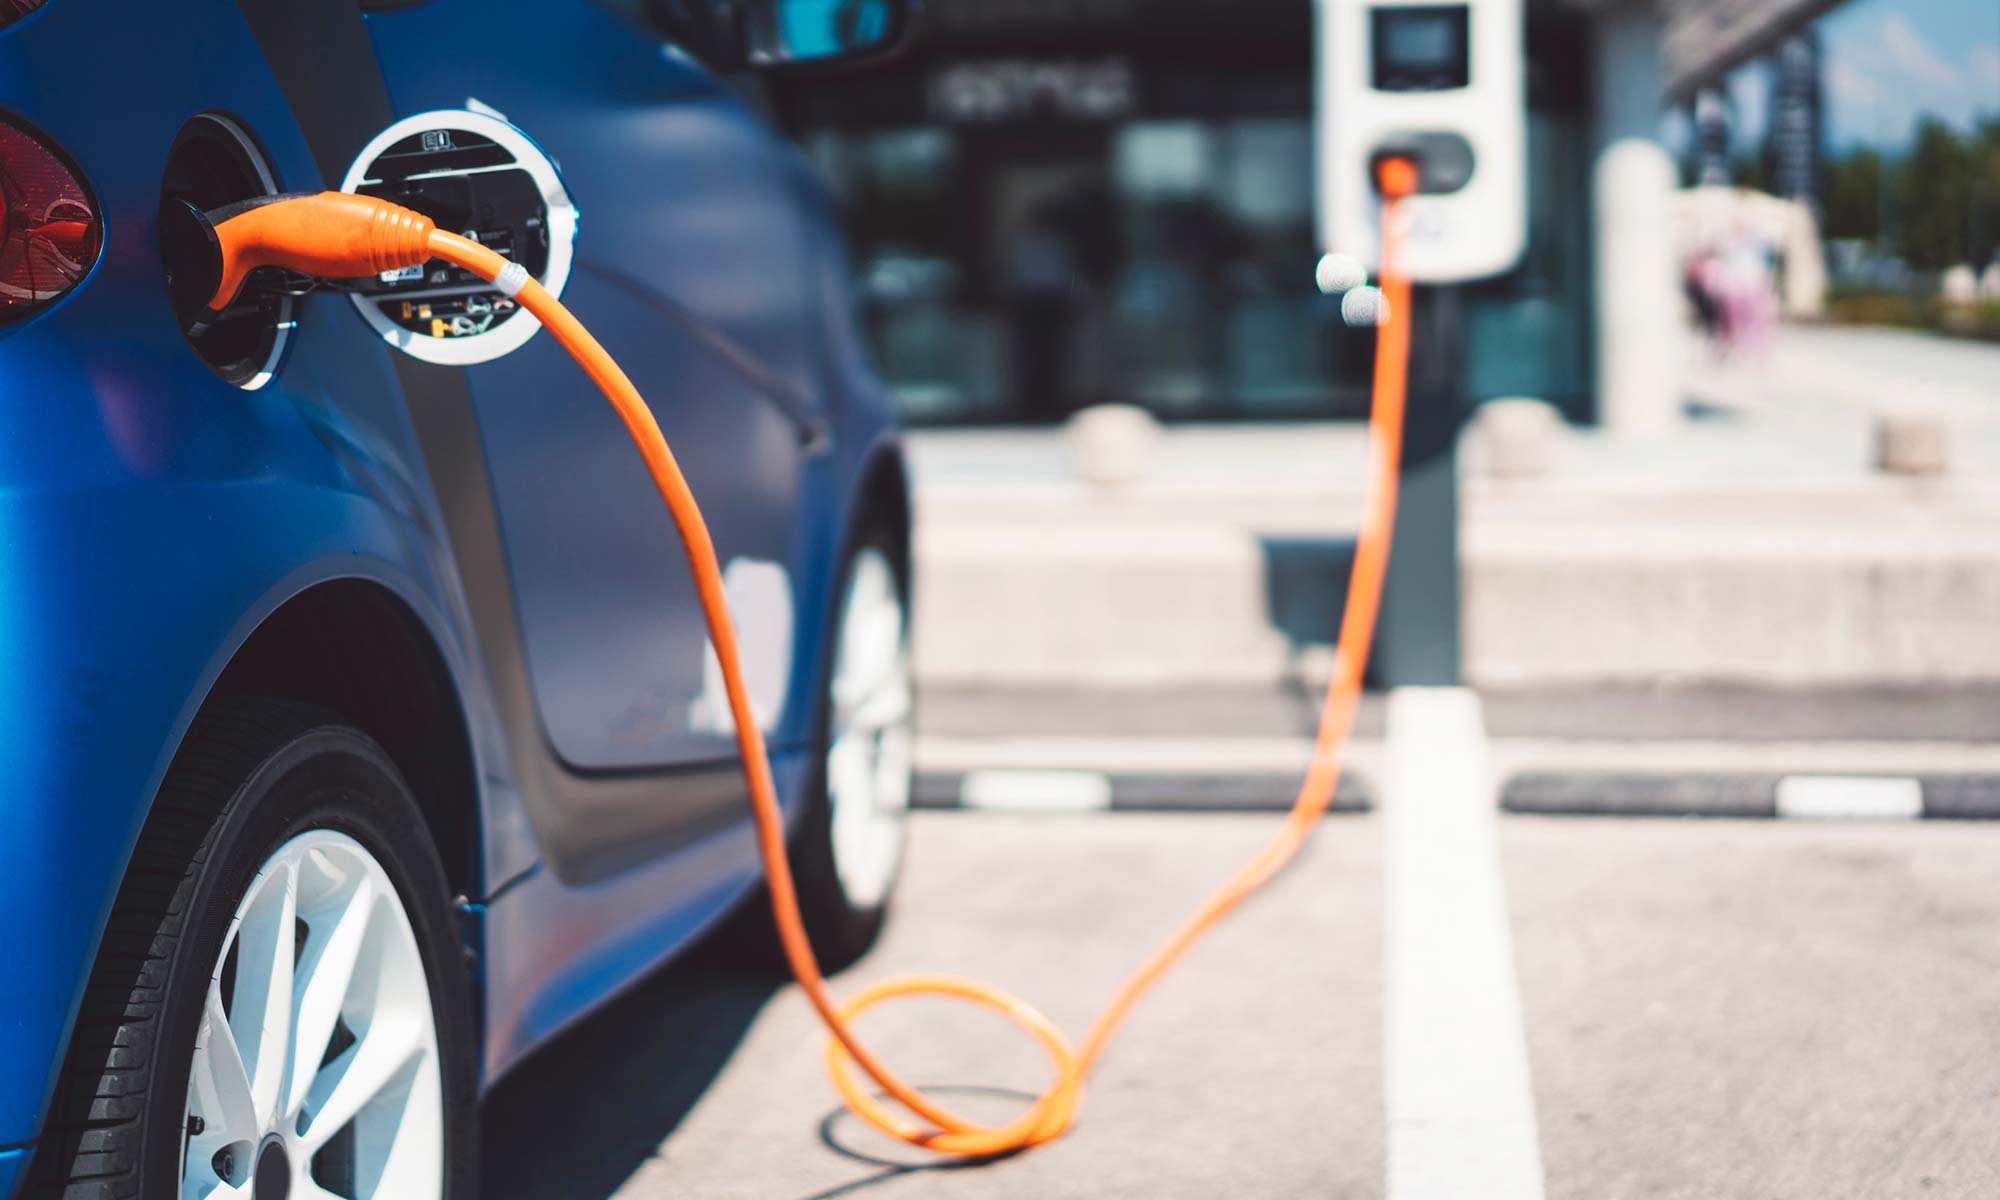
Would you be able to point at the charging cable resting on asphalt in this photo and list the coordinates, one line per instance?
(341, 235)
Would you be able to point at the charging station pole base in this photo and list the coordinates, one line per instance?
(1417, 643)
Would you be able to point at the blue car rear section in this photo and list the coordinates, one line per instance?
(158, 525)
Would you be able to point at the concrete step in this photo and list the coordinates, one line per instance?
(1789, 602)
(1786, 604)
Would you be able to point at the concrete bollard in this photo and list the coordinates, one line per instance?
(1517, 437)
(1638, 285)
(1959, 285)
(1912, 442)
(1111, 445)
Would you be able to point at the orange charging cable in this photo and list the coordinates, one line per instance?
(335, 233)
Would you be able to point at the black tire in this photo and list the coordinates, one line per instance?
(250, 776)
(840, 930)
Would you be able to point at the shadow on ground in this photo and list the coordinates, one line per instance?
(582, 1115)
(838, 1128)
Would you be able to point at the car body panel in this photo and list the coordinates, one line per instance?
(152, 516)
(690, 239)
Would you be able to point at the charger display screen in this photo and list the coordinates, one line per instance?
(1420, 49)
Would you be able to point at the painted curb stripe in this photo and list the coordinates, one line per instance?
(1022, 790)
(1849, 798)
(1010, 784)
(1753, 795)
(1036, 791)
(1627, 794)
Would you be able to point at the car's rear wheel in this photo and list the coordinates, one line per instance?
(847, 849)
(869, 736)
(280, 1007)
(342, 1088)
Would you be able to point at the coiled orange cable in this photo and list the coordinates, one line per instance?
(323, 233)
(1050, 1115)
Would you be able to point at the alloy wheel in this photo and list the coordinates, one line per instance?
(870, 744)
(315, 1071)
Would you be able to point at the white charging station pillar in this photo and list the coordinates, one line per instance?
(1442, 83)
(1640, 340)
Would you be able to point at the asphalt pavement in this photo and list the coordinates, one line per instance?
(1254, 1070)
(1760, 1009)
(1712, 1008)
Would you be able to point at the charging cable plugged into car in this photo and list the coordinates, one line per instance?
(341, 236)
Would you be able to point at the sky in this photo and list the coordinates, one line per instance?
(1886, 61)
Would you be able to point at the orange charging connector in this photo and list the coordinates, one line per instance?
(343, 235)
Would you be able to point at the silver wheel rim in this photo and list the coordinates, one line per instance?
(345, 1070)
(869, 750)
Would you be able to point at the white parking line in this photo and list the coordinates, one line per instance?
(1850, 798)
(1460, 1107)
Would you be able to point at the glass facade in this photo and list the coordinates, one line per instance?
(1164, 262)
(1038, 225)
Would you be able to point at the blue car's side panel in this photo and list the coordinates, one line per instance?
(688, 235)
(556, 951)
(613, 634)
(151, 516)
(115, 653)
(696, 267)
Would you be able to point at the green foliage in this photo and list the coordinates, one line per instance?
(1984, 219)
(1943, 197)
(1849, 195)
(1747, 170)
(1977, 320)
(1932, 192)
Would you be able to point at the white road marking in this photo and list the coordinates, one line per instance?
(1460, 1107)
(1036, 791)
(1850, 798)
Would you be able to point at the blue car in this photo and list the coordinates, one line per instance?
(358, 726)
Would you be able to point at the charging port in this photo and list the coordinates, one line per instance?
(497, 205)
(215, 162)
(479, 177)
(1443, 159)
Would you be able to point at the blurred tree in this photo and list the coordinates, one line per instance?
(1934, 196)
(1983, 225)
(1853, 185)
(1749, 168)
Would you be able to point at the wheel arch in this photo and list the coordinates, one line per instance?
(355, 647)
(884, 490)
(881, 492)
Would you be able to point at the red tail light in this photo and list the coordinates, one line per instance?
(13, 10)
(49, 228)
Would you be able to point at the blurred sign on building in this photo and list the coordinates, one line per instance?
(1004, 89)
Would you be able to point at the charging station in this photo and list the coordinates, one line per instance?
(1443, 86)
